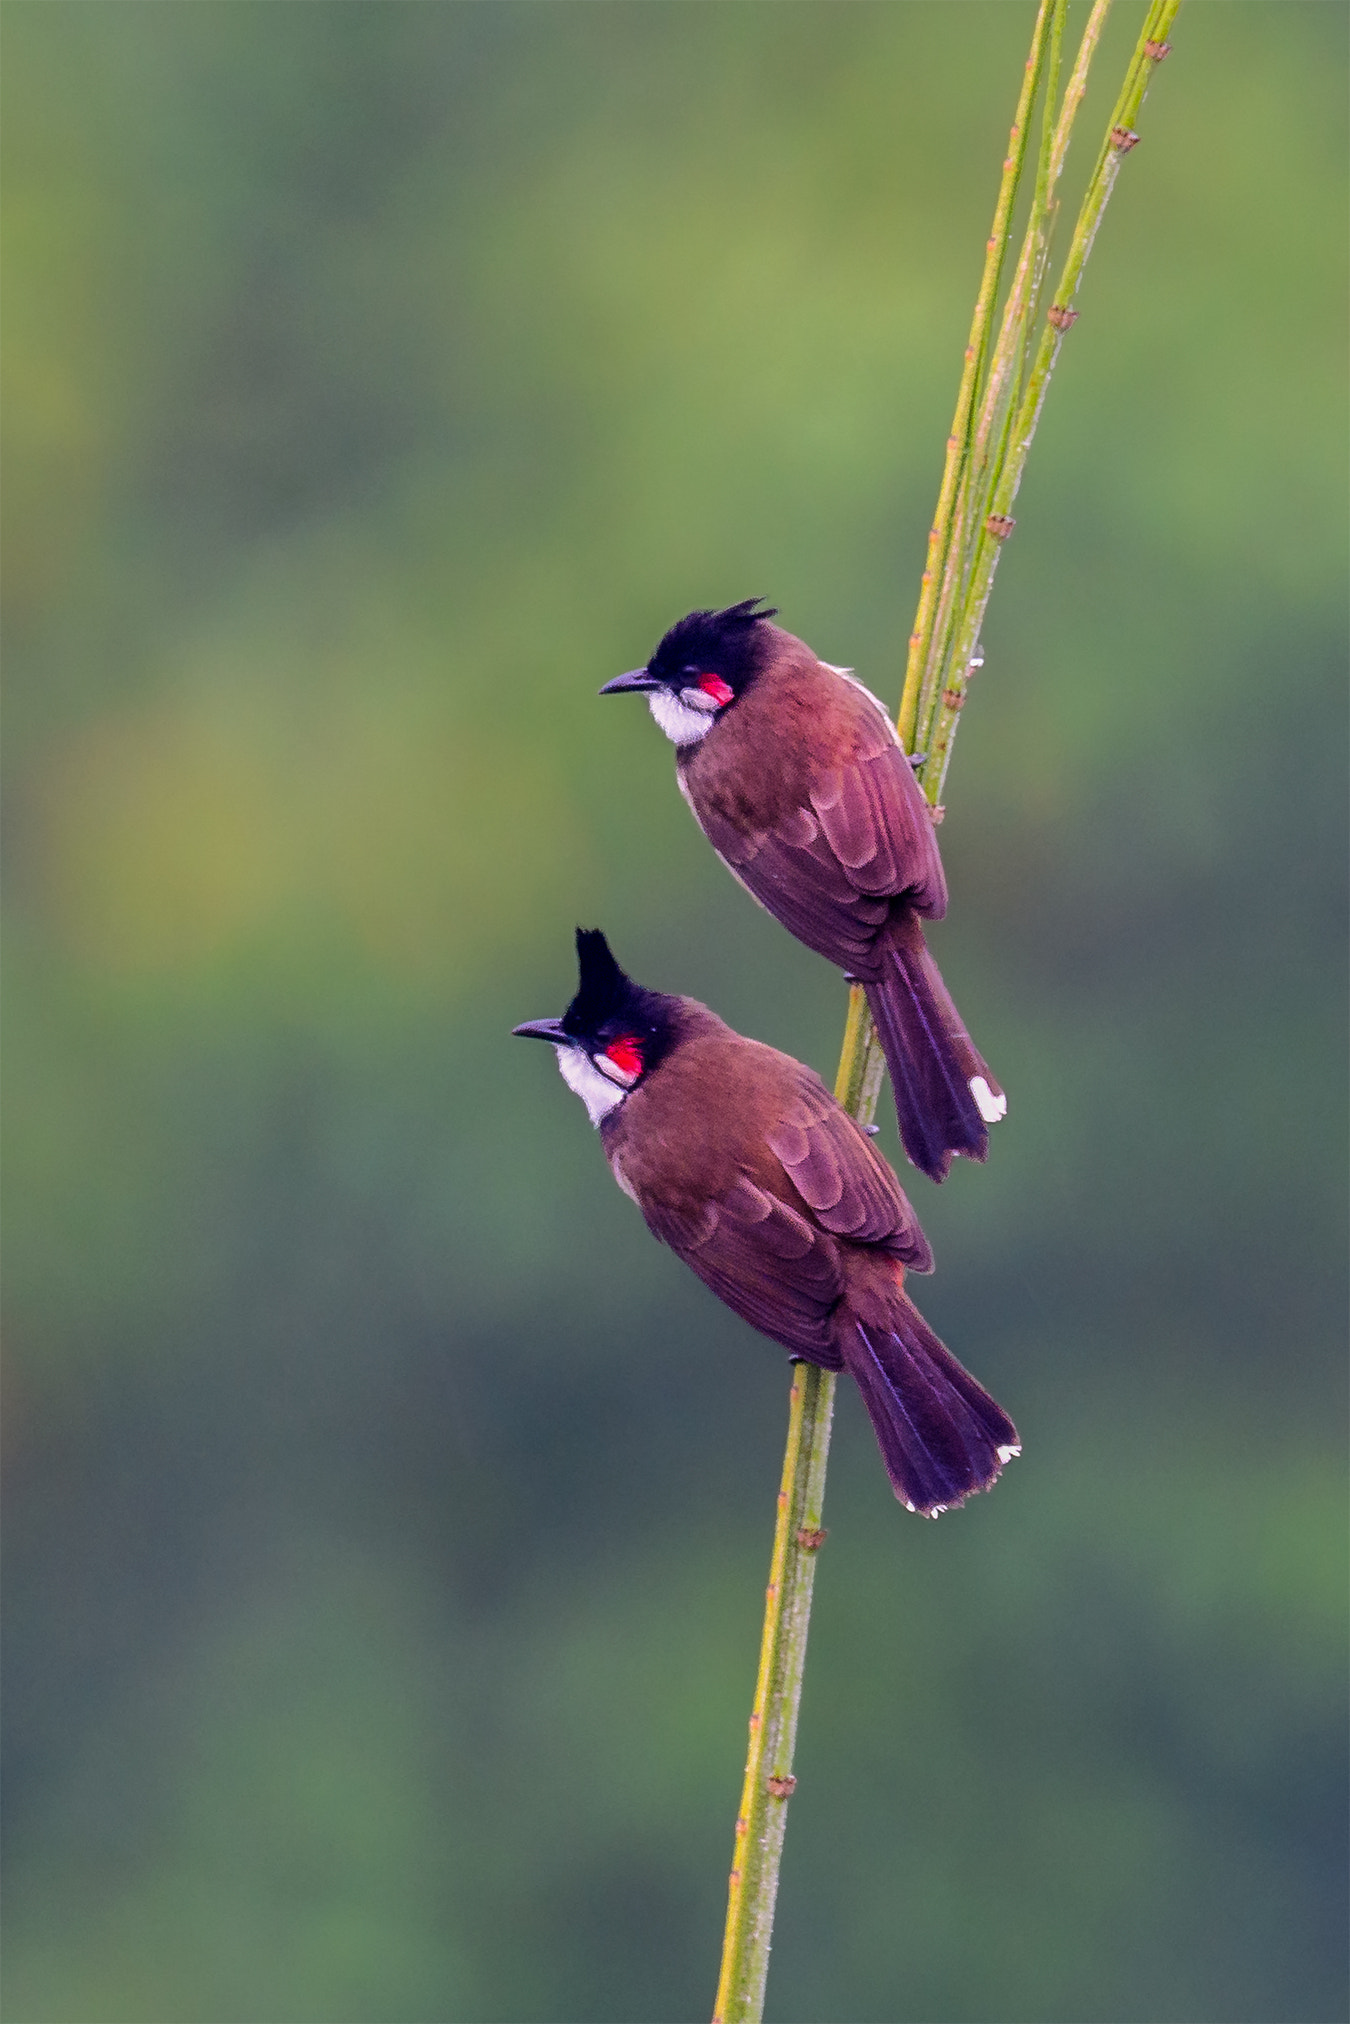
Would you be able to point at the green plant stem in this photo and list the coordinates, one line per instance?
(997, 408)
(798, 1537)
(762, 1820)
(997, 396)
(936, 573)
(951, 650)
(938, 730)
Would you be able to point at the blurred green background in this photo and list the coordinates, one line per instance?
(387, 1515)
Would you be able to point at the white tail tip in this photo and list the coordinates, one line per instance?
(991, 1107)
(1009, 1453)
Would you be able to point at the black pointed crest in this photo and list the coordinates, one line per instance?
(608, 1002)
(602, 988)
(726, 643)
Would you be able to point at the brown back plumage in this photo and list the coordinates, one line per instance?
(720, 1109)
(741, 1160)
(804, 793)
(805, 716)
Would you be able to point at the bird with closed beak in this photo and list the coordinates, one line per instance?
(743, 1163)
(796, 775)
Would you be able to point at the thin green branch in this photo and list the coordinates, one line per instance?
(958, 442)
(944, 693)
(997, 408)
(939, 731)
(762, 1820)
(1047, 171)
(798, 1537)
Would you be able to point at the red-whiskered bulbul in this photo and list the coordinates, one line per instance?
(796, 775)
(741, 1160)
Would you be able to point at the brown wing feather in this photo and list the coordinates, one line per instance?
(800, 1186)
(841, 1177)
(769, 1264)
(828, 871)
(806, 889)
(877, 823)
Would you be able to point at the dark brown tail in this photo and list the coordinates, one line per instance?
(938, 1078)
(941, 1435)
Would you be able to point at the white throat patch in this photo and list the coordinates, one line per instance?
(594, 1088)
(683, 723)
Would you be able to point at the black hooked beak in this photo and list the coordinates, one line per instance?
(631, 683)
(543, 1029)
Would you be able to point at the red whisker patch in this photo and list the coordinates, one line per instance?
(626, 1056)
(720, 691)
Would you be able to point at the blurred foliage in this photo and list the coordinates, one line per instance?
(381, 1619)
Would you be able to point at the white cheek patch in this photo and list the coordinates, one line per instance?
(596, 1091)
(991, 1107)
(683, 723)
(612, 1072)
